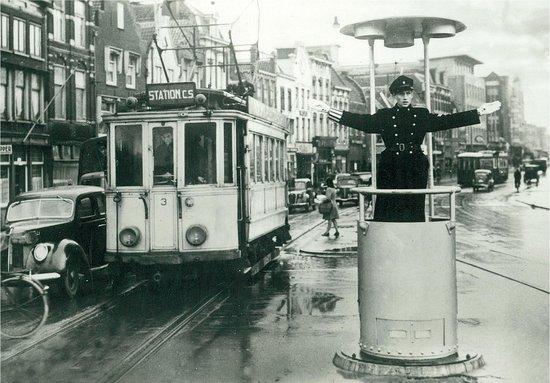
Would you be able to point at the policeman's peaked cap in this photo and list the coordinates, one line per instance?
(401, 83)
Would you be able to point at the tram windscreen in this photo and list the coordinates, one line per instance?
(200, 153)
(163, 154)
(128, 155)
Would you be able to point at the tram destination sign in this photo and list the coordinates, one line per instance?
(171, 94)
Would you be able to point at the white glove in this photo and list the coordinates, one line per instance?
(318, 106)
(488, 108)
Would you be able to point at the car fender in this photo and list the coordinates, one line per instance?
(68, 248)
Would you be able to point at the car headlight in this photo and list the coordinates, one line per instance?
(196, 235)
(129, 236)
(40, 252)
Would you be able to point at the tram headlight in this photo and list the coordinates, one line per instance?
(129, 236)
(40, 252)
(196, 235)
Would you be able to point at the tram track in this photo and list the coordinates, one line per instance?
(180, 324)
(69, 324)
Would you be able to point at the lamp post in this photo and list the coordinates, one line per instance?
(400, 32)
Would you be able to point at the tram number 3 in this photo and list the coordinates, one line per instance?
(163, 201)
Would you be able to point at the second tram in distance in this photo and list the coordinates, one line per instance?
(196, 179)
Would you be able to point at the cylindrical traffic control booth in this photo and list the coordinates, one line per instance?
(407, 283)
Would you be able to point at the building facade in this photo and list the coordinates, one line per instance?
(457, 72)
(119, 63)
(25, 155)
(71, 89)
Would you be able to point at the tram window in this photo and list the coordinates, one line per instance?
(200, 153)
(282, 160)
(227, 153)
(253, 159)
(163, 154)
(276, 158)
(271, 160)
(128, 155)
(259, 159)
(266, 159)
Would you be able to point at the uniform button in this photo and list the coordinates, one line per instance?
(412, 134)
(415, 115)
(414, 124)
(411, 152)
(397, 153)
(396, 134)
(395, 126)
(393, 117)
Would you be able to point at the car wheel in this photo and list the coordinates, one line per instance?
(71, 278)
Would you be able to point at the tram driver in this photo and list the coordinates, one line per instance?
(403, 165)
(164, 156)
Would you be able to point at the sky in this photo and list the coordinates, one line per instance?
(510, 37)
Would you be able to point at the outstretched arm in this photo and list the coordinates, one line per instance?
(456, 120)
(365, 122)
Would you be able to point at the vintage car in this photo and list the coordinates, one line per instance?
(483, 179)
(301, 194)
(363, 178)
(531, 174)
(57, 230)
(344, 182)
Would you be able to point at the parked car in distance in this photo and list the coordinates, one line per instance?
(344, 182)
(301, 194)
(363, 178)
(531, 174)
(483, 179)
(58, 230)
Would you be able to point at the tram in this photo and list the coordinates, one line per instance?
(468, 162)
(195, 176)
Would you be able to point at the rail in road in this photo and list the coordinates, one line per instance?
(69, 324)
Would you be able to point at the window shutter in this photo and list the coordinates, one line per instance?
(107, 58)
(138, 64)
(119, 62)
(126, 61)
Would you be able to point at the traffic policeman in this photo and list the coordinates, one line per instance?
(403, 165)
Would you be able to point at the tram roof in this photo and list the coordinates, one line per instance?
(216, 103)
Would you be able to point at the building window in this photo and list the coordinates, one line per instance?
(282, 96)
(132, 68)
(19, 94)
(35, 40)
(80, 23)
(58, 15)
(4, 93)
(120, 15)
(37, 169)
(59, 92)
(5, 31)
(158, 75)
(19, 37)
(36, 96)
(289, 100)
(113, 65)
(80, 95)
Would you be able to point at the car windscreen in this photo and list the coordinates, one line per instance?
(40, 208)
(300, 185)
(346, 181)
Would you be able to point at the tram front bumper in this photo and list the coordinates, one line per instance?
(173, 258)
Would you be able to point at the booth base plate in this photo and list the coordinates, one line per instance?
(363, 364)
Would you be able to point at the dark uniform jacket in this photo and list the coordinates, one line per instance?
(402, 165)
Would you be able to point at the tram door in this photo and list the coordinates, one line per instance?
(163, 200)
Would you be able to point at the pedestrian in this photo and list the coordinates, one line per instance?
(403, 165)
(332, 215)
(517, 178)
